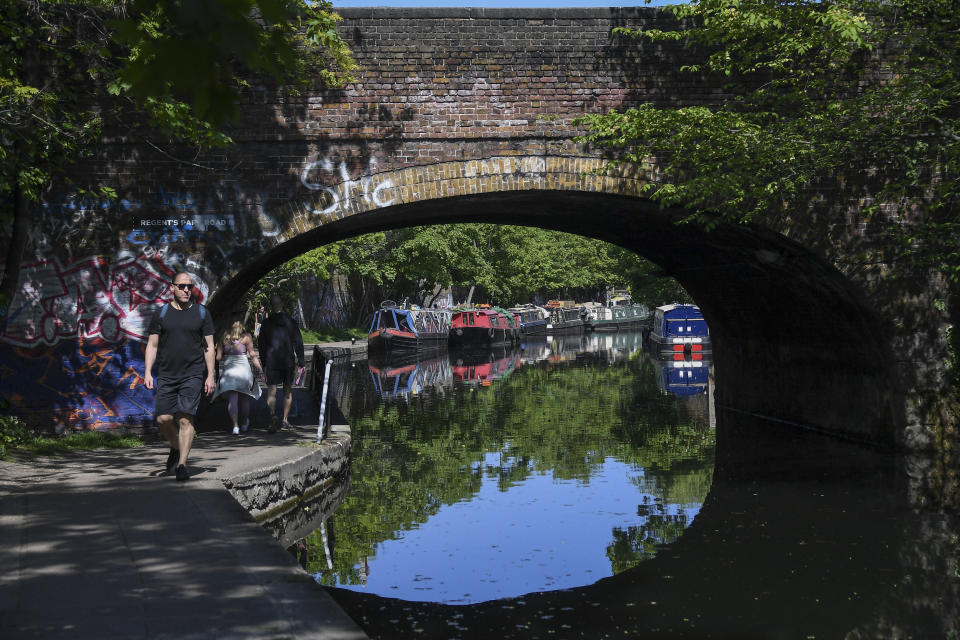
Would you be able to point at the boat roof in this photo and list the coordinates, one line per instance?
(679, 308)
(671, 307)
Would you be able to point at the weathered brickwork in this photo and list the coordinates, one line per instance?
(467, 114)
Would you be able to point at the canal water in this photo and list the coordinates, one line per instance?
(571, 489)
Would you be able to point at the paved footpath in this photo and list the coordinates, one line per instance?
(105, 544)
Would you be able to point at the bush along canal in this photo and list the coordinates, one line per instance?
(577, 488)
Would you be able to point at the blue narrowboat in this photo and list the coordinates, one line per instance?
(679, 328)
(400, 328)
(533, 319)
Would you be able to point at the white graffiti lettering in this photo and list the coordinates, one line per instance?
(340, 196)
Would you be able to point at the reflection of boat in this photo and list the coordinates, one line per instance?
(401, 377)
(566, 320)
(535, 349)
(401, 328)
(619, 312)
(614, 346)
(564, 347)
(483, 327)
(483, 366)
(683, 376)
(679, 328)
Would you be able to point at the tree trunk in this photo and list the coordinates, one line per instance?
(470, 295)
(18, 246)
(321, 299)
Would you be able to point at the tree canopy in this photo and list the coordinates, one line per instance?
(854, 93)
(501, 264)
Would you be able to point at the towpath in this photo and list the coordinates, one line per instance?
(104, 544)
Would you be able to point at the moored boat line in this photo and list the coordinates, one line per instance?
(402, 328)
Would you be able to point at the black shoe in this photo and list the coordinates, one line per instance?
(182, 473)
(274, 425)
(173, 459)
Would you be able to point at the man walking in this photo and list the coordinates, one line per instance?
(181, 341)
(281, 346)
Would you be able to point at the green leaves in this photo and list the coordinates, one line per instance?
(822, 92)
(195, 51)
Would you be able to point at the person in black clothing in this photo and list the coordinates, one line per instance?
(181, 342)
(281, 348)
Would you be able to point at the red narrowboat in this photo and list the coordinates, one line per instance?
(483, 327)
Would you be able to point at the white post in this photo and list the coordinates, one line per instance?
(323, 400)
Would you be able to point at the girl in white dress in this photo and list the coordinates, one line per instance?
(237, 383)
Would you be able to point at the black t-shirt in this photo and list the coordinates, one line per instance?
(181, 341)
(280, 343)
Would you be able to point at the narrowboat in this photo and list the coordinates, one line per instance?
(483, 327)
(618, 312)
(401, 328)
(533, 319)
(566, 320)
(679, 328)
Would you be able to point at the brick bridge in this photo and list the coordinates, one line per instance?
(466, 115)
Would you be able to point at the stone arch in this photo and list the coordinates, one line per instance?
(794, 339)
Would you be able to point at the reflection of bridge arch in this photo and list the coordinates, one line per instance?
(813, 556)
(765, 297)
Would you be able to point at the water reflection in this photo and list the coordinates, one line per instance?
(790, 536)
(488, 474)
(481, 367)
(400, 377)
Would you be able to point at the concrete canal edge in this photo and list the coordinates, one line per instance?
(290, 492)
(272, 489)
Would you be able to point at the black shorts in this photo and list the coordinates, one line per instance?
(178, 395)
(282, 376)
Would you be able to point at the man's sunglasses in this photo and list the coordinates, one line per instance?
(183, 286)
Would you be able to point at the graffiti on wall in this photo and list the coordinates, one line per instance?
(88, 383)
(72, 351)
(85, 299)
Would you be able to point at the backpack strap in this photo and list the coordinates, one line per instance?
(203, 311)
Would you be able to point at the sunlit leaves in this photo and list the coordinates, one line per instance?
(844, 94)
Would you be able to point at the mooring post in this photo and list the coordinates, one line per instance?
(323, 402)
